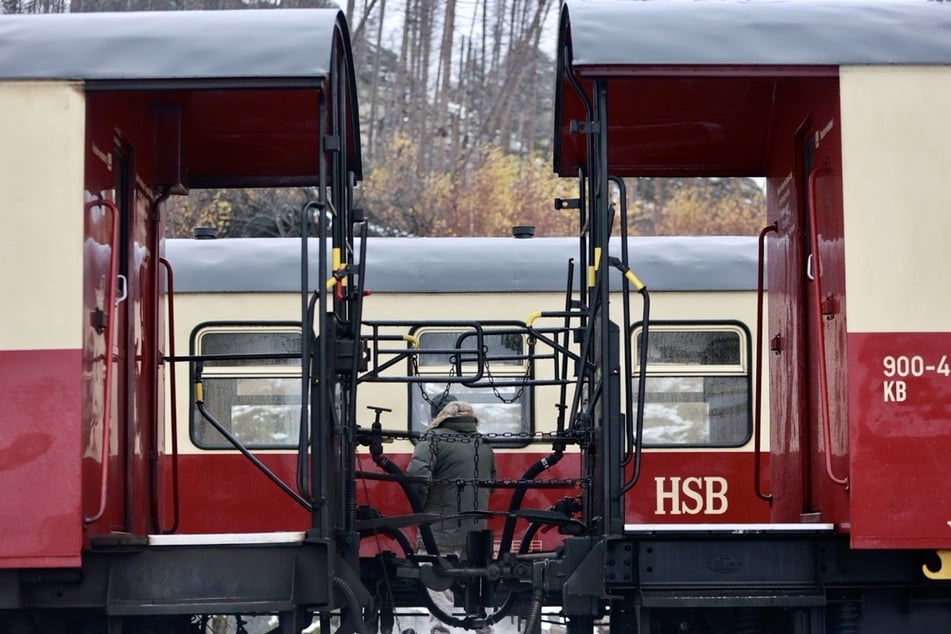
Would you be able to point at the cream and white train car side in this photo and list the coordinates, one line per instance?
(240, 296)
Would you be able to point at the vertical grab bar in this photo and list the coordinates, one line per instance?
(173, 400)
(820, 337)
(110, 305)
(758, 379)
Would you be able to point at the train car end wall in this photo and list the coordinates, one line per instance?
(41, 341)
(897, 192)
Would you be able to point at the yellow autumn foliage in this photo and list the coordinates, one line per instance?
(710, 208)
(486, 197)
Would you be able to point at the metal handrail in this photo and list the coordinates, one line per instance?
(107, 359)
(820, 337)
(758, 373)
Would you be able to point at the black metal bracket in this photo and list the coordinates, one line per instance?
(331, 143)
(567, 203)
(584, 127)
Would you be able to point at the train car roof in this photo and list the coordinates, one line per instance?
(463, 265)
(690, 85)
(286, 45)
(240, 88)
(764, 32)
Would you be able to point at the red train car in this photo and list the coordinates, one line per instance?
(114, 521)
(106, 116)
(834, 105)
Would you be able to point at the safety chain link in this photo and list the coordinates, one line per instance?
(475, 473)
(414, 363)
(495, 389)
(432, 440)
(505, 483)
(465, 437)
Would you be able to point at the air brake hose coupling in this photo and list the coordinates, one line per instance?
(339, 276)
(626, 270)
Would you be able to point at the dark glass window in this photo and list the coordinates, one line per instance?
(256, 399)
(698, 390)
(503, 404)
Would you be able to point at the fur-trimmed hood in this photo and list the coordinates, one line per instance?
(455, 409)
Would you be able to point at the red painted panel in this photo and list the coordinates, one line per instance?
(681, 122)
(825, 322)
(40, 518)
(225, 493)
(123, 118)
(900, 417)
(806, 113)
(698, 487)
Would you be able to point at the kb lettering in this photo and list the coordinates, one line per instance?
(691, 496)
(895, 391)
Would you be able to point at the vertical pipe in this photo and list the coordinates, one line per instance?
(820, 335)
(306, 323)
(625, 331)
(758, 379)
(155, 240)
(320, 416)
(110, 301)
(607, 353)
(172, 396)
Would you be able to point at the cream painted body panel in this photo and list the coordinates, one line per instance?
(41, 177)
(896, 183)
(192, 309)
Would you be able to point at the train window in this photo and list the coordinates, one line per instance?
(698, 385)
(256, 399)
(501, 400)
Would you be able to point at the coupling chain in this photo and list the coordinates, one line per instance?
(475, 474)
(537, 483)
(472, 436)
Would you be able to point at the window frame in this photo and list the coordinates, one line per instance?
(742, 369)
(460, 390)
(289, 371)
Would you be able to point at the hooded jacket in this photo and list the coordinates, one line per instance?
(450, 454)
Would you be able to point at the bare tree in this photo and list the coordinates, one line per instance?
(456, 97)
(375, 82)
(444, 77)
(32, 6)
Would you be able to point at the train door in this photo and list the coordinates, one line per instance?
(807, 439)
(824, 434)
(134, 371)
(120, 394)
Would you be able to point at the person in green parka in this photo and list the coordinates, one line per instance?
(449, 457)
